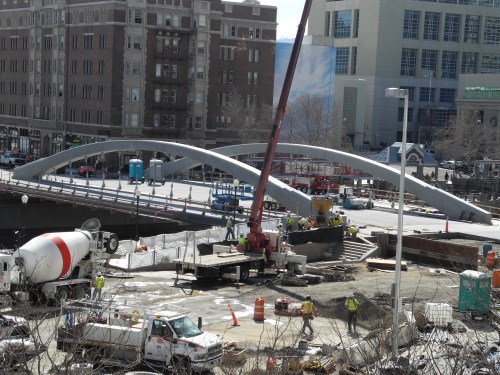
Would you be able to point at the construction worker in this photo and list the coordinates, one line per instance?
(351, 305)
(336, 221)
(229, 228)
(289, 223)
(303, 222)
(353, 231)
(308, 314)
(242, 242)
(99, 284)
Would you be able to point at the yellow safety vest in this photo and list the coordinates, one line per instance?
(308, 307)
(289, 220)
(99, 282)
(352, 304)
(242, 240)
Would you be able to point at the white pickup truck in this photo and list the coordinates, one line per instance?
(11, 160)
(132, 336)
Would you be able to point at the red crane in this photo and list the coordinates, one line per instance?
(255, 238)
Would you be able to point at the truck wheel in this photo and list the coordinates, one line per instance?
(244, 274)
(78, 292)
(274, 206)
(240, 210)
(266, 205)
(112, 244)
(62, 295)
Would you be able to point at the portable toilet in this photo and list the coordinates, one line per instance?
(474, 293)
(136, 171)
(154, 171)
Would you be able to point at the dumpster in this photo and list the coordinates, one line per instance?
(474, 293)
(154, 172)
(135, 171)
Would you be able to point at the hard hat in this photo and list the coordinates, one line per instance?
(99, 274)
(241, 234)
(350, 295)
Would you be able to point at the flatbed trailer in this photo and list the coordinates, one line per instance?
(228, 262)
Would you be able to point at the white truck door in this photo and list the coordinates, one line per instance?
(159, 342)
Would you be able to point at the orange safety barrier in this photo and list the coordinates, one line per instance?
(258, 312)
(490, 259)
(495, 280)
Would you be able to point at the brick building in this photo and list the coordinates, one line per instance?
(74, 72)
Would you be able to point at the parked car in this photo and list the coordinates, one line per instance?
(84, 169)
(448, 164)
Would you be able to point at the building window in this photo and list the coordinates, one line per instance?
(88, 41)
(356, 23)
(408, 62)
(136, 94)
(201, 48)
(256, 11)
(446, 95)
(342, 60)
(471, 29)
(354, 60)
(342, 26)
(452, 27)
(469, 63)
(134, 42)
(199, 98)
(198, 122)
(136, 68)
(411, 23)
(429, 60)
(426, 95)
(200, 72)
(228, 8)
(157, 95)
(401, 114)
(449, 64)
(134, 120)
(230, 77)
(491, 30)
(411, 92)
(490, 63)
(441, 116)
(431, 26)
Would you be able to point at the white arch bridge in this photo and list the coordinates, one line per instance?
(447, 203)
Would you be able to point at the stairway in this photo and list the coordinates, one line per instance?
(352, 250)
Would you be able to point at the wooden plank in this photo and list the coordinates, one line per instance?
(385, 264)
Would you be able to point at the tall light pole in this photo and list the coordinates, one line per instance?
(236, 183)
(24, 201)
(399, 94)
(137, 194)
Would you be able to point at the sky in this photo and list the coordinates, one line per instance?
(289, 13)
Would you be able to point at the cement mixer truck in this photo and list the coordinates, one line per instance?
(54, 267)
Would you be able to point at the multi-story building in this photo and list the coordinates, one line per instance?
(76, 72)
(421, 45)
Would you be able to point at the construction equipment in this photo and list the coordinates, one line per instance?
(256, 238)
(55, 266)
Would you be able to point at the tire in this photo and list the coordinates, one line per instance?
(78, 292)
(274, 206)
(266, 205)
(62, 294)
(244, 273)
(240, 210)
(304, 190)
(112, 244)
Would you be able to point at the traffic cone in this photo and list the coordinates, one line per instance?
(446, 225)
(235, 321)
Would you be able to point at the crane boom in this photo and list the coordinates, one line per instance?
(255, 219)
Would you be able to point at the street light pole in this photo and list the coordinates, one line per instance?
(137, 194)
(400, 94)
(236, 183)
(24, 200)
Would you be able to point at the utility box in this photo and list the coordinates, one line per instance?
(136, 171)
(440, 314)
(474, 293)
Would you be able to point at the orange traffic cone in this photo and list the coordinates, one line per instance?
(446, 225)
(235, 321)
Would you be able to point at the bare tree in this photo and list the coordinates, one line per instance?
(310, 120)
(466, 137)
(251, 122)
